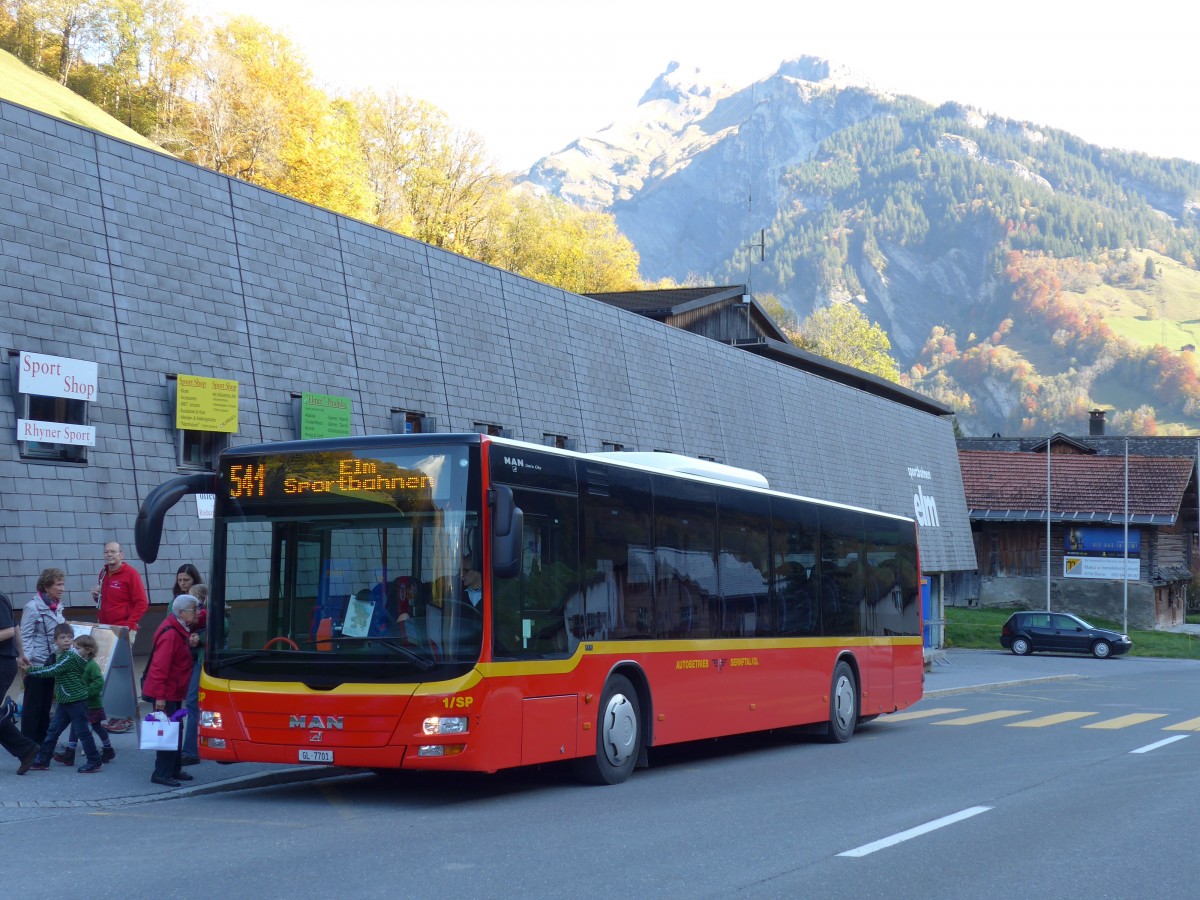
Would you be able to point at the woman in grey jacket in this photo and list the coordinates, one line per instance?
(38, 619)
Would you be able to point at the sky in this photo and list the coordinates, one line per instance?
(530, 76)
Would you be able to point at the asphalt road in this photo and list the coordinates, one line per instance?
(1015, 790)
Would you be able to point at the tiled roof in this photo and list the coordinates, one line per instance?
(1102, 444)
(1012, 486)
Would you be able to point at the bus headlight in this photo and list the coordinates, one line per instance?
(210, 719)
(445, 725)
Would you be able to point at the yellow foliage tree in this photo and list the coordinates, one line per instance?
(256, 115)
(430, 180)
(578, 250)
(843, 334)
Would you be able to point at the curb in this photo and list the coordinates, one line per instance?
(241, 783)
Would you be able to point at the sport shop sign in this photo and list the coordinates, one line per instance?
(57, 376)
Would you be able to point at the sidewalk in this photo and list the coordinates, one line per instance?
(126, 780)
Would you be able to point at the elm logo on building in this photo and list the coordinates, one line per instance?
(925, 509)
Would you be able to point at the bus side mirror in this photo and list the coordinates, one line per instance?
(147, 529)
(508, 525)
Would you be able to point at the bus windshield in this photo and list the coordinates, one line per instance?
(325, 564)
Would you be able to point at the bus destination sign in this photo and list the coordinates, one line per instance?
(316, 476)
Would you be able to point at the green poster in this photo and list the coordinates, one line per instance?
(324, 416)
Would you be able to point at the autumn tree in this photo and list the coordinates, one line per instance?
(784, 316)
(430, 180)
(843, 334)
(548, 239)
(256, 114)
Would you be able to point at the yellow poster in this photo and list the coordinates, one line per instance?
(206, 404)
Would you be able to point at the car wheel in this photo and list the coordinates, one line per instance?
(1021, 647)
(1102, 649)
(843, 705)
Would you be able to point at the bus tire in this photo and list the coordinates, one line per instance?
(618, 735)
(843, 704)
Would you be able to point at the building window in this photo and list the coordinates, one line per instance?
(199, 449)
(561, 441)
(489, 428)
(707, 458)
(611, 447)
(195, 449)
(406, 421)
(40, 412)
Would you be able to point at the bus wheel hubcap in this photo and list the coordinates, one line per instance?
(844, 702)
(620, 729)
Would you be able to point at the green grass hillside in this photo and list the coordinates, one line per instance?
(23, 85)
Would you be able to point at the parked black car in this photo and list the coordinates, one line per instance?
(1028, 632)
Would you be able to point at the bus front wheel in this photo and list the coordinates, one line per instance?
(843, 704)
(618, 735)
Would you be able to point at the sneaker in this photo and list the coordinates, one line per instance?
(66, 756)
(38, 764)
(90, 768)
(27, 762)
(107, 754)
(119, 726)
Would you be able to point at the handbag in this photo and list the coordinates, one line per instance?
(159, 733)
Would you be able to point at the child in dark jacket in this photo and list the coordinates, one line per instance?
(71, 692)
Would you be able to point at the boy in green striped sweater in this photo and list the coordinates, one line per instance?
(71, 691)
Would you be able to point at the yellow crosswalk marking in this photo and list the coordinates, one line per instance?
(984, 717)
(1126, 721)
(1055, 719)
(1189, 725)
(919, 714)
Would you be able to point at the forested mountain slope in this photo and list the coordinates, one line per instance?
(1022, 274)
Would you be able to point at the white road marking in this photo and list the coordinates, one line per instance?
(1157, 744)
(915, 832)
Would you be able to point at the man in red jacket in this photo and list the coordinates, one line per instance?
(167, 678)
(122, 599)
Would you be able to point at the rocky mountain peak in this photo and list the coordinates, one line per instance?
(680, 84)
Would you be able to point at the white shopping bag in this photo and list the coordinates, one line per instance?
(159, 733)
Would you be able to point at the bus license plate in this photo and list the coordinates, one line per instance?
(317, 756)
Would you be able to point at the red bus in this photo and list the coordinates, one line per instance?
(468, 602)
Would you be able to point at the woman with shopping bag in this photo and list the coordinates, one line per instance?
(166, 684)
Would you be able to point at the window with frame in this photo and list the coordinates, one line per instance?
(57, 410)
(199, 449)
(405, 421)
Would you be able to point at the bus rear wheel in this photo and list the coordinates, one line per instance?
(618, 735)
(843, 704)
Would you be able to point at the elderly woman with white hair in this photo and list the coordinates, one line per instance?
(167, 677)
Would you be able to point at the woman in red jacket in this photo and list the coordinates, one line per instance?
(167, 678)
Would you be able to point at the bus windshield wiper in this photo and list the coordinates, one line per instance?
(222, 661)
(424, 663)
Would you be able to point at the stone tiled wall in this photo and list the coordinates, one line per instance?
(152, 267)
